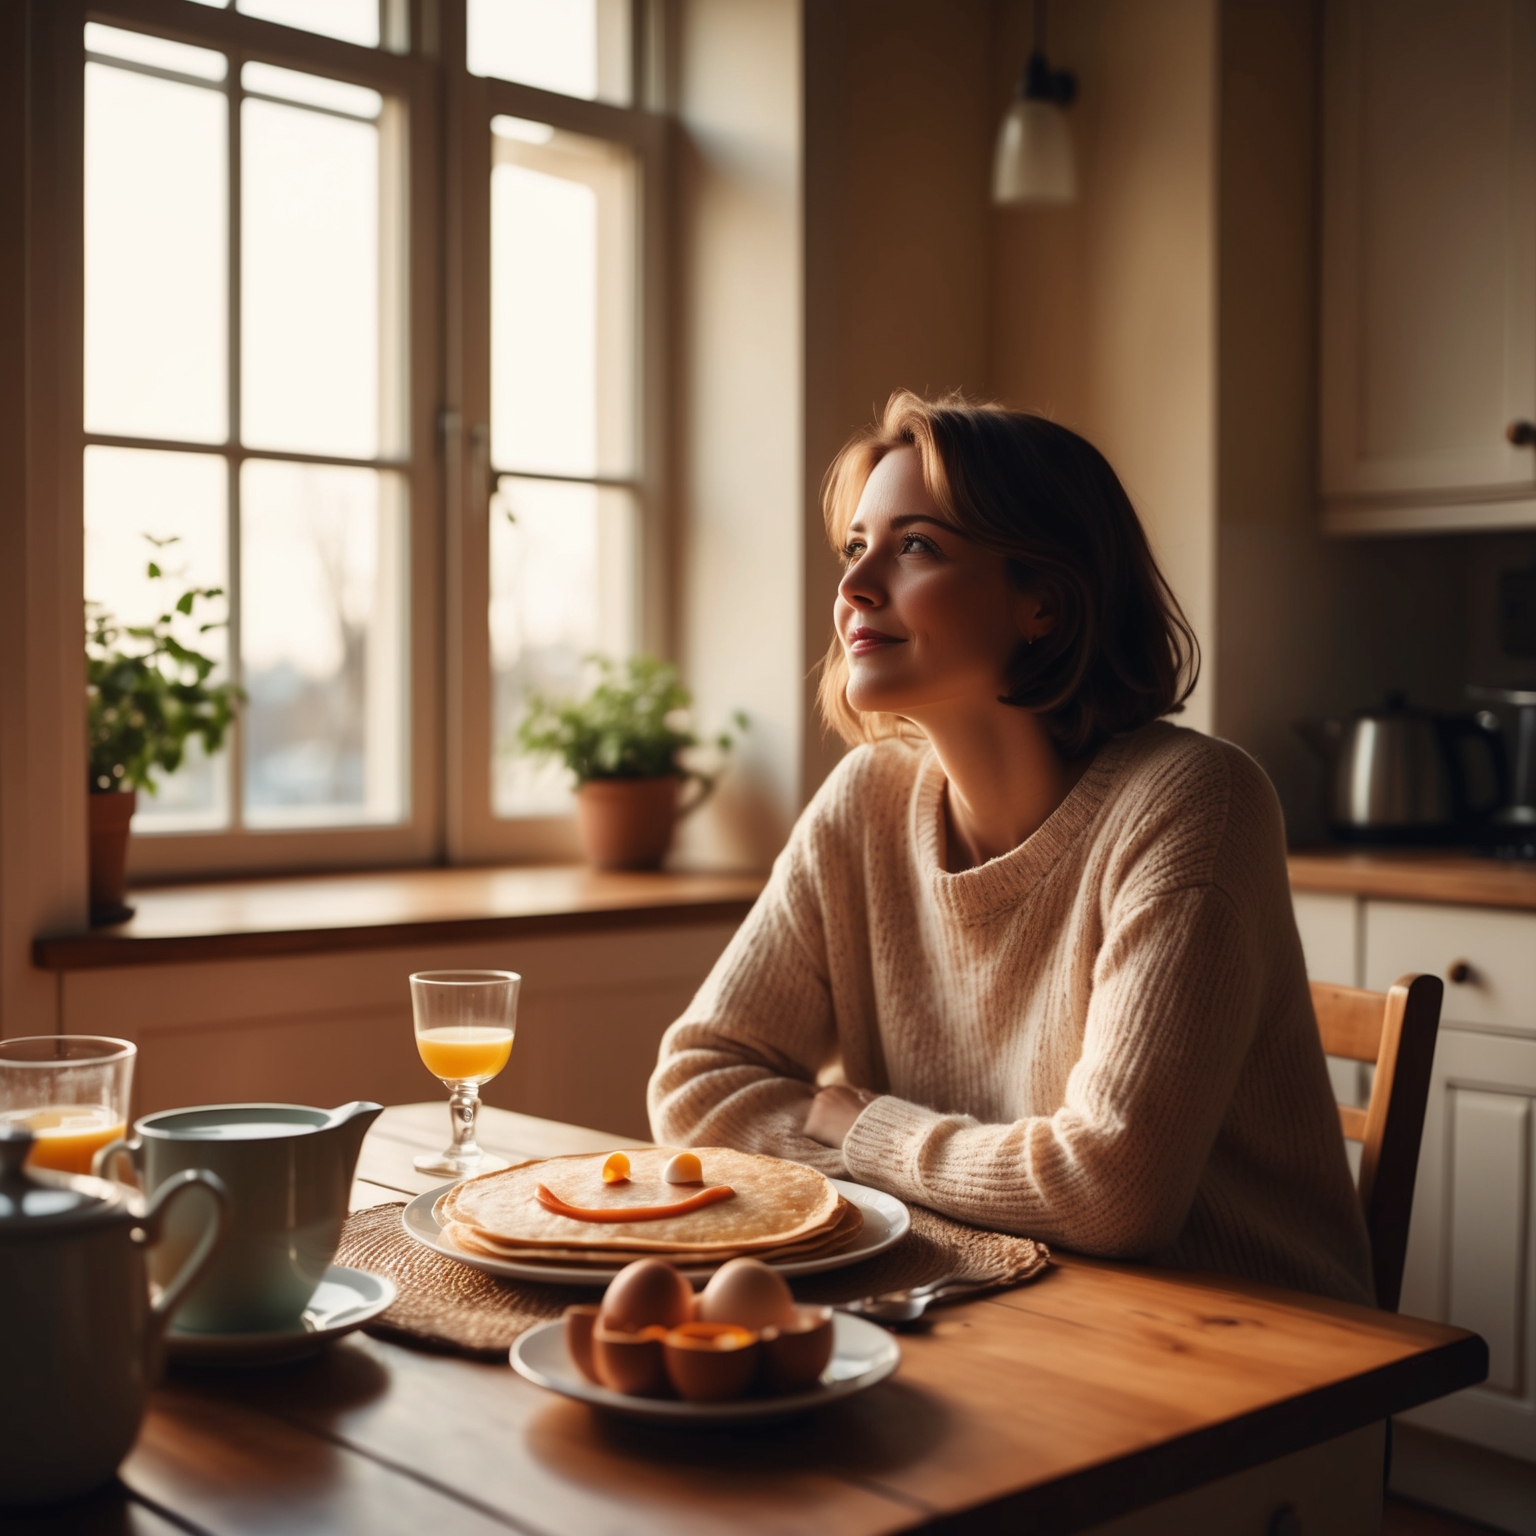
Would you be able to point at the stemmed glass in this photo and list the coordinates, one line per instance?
(465, 1021)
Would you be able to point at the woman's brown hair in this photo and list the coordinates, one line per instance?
(1121, 652)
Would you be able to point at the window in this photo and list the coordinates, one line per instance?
(562, 522)
(299, 402)
(575, 47)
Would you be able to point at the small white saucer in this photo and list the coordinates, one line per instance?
(862, 1354)
(346, 1299)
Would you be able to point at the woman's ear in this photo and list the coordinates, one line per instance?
(1034, 613)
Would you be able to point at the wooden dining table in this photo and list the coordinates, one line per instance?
(1100, 1396)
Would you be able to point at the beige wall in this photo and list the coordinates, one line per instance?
(1104, 313)
(898, 143)
(1307, 626)
(42, 734)
(736, 93)
(323, 1029)
(833, 227)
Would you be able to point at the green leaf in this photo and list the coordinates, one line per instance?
(633, 722)
(143, 704)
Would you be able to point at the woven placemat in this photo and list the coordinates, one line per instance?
(446, 1306)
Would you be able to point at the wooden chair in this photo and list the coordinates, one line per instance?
(1395, 1031)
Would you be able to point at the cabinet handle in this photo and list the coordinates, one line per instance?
(1459, 972)
(1521, 433)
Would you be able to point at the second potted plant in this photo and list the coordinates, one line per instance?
(622, 743)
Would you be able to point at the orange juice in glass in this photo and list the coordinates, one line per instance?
(465, 1021)
(70, 1091)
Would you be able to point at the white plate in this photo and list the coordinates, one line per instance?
(862, 1354)
(885, 1224)
(346, 1299)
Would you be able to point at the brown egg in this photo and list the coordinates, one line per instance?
(711, 1362)
(579, 1323)
(749, 1293)
(795, 1357)
(645, 1294)
(633, 1363)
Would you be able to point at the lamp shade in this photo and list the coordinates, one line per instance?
(1033, 161)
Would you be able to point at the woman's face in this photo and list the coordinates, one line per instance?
(927, 619)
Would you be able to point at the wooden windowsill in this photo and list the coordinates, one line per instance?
(321, 913)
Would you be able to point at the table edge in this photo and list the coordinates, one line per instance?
(1107, 1490)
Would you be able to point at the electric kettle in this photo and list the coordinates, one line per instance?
(1399, 774)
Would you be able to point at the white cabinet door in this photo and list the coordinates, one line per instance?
(1471, 1253)
(1329, 927)
(1429, 260)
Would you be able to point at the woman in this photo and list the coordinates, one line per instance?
(1028, 958)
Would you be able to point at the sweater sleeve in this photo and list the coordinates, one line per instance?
(738, 1069)
(1176, 998)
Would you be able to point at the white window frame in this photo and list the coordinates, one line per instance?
(447, 173)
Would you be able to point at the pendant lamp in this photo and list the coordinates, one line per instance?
(1033, 161)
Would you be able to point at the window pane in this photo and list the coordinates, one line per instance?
(562, 564)
(160, 52)
(562, 302)
(131, 493)
(576, 47)
(322, 554)
(156, 306)
(353, 21)
(313, 90)
(310, 322)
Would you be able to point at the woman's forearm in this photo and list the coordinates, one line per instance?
(715, 1098)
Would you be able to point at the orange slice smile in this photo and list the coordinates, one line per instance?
(712, 1196)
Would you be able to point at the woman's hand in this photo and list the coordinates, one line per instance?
(833, 1112)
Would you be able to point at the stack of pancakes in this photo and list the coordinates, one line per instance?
(779, 1210)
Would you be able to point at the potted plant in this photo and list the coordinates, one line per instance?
(144, 702)
(622, 743)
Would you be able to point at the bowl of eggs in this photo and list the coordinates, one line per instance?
(742, 1335)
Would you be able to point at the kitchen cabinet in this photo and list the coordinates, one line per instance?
(1471, 1256)
(1472, 1240)
(1428, 345)
(1329, 925)
(1471, 1250)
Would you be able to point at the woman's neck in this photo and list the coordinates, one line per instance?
(1006, 777)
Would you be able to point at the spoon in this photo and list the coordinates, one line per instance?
(897, 1307)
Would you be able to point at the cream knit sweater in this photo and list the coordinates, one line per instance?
(1102, 1039)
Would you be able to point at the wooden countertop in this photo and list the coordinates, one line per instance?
(1095, 1391)
(318, 913)
(1416, 874)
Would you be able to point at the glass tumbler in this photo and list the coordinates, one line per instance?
(70, 1091)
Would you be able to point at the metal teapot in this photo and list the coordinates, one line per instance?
(1401, 774)
(80, 1336)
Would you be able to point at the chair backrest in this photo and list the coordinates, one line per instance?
(1396, 1032)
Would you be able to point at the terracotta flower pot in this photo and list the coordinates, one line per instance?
(627, 823)
(110, 814)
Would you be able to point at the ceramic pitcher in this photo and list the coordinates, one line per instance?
(79, 1335)
(288, 1169)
